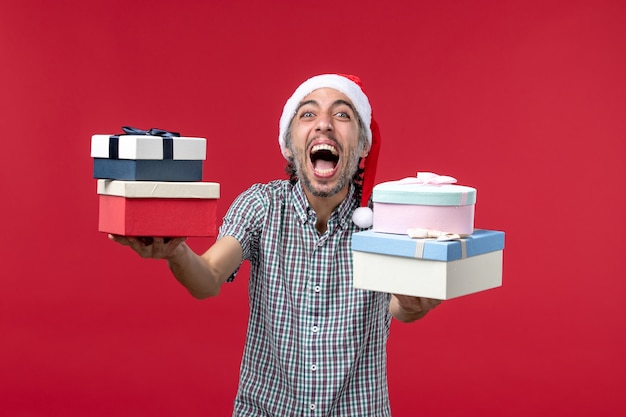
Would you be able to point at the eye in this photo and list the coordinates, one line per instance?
(342, 114)
(306, 114)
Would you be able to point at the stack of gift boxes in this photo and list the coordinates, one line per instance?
(423, 242)
(150, 184)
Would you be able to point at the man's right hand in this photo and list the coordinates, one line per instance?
(154, 248)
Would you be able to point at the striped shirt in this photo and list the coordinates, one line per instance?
(315, 345)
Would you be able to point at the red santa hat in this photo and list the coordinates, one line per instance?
(351, 86)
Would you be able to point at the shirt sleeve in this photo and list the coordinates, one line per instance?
(245, 218)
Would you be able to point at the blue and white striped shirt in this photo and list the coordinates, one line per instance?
(315, 345)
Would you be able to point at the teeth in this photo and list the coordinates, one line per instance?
(324, 147)
(323, 171)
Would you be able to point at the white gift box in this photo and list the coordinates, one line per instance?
(145, 147)
(426, 278)
(398, 264)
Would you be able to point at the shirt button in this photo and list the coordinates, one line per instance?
(314, 367)
(312, 406)
(317, 288)
(315, 329)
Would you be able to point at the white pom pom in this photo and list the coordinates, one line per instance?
(363, 217)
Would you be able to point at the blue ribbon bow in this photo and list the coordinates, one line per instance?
(168, 143)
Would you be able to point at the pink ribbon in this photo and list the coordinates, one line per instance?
(428, 178)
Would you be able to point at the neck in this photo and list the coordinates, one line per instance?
(324, 206)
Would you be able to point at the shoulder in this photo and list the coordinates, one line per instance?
(269, 192)
(262, 197)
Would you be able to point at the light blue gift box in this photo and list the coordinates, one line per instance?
(429, 268)
(478, 243)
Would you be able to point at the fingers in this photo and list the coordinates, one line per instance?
(123, 240)
(427, 304)
(145, 251)
(430, 303)
(150, 247)
(417, 304)
(163, 247)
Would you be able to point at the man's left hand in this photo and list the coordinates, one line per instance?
(408, 308)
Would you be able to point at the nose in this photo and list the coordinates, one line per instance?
(324, 123)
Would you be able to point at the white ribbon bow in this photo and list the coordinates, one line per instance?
(428, 178)
(430, 234)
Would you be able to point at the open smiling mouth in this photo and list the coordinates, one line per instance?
(324, 159)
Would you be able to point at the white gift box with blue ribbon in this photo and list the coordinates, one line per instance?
(431, 268)
(148, 155)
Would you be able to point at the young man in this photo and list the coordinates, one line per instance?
(315, 345)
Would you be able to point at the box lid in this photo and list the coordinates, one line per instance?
(427, 189)
(478, 243)
(423, 194)
(159, 189)
(147, 147)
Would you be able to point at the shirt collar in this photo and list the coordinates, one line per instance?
(342, 215)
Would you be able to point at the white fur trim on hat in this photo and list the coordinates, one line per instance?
(334, 81)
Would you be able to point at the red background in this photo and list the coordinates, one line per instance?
(526, 101)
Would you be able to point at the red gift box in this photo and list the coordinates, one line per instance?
(164, 209)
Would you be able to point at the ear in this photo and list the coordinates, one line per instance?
(366, 150)
(287, 152)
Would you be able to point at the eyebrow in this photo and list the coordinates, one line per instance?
(336, 103)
